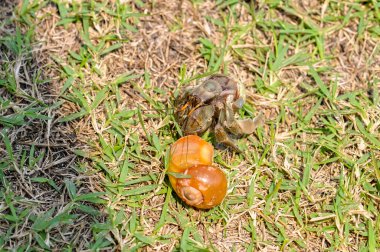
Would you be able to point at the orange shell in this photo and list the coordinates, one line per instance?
(189, 151)
(209, 180)
(207, 187)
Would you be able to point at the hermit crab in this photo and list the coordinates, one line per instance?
(212, 104)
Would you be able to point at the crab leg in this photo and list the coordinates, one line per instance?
(248, 126)
(245, 126)
(222, 137)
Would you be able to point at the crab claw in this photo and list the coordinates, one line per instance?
(199, 120)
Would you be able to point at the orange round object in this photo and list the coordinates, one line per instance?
(207, 186)
(189, 151)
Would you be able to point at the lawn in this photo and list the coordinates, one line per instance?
(86, 122)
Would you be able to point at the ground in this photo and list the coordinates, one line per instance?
(86, 121)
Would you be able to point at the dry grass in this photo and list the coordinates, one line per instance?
(97, 85)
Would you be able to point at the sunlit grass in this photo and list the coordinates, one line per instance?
(307, 179)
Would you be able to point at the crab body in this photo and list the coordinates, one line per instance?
(212, 105)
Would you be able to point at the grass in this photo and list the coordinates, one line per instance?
(86, 123)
